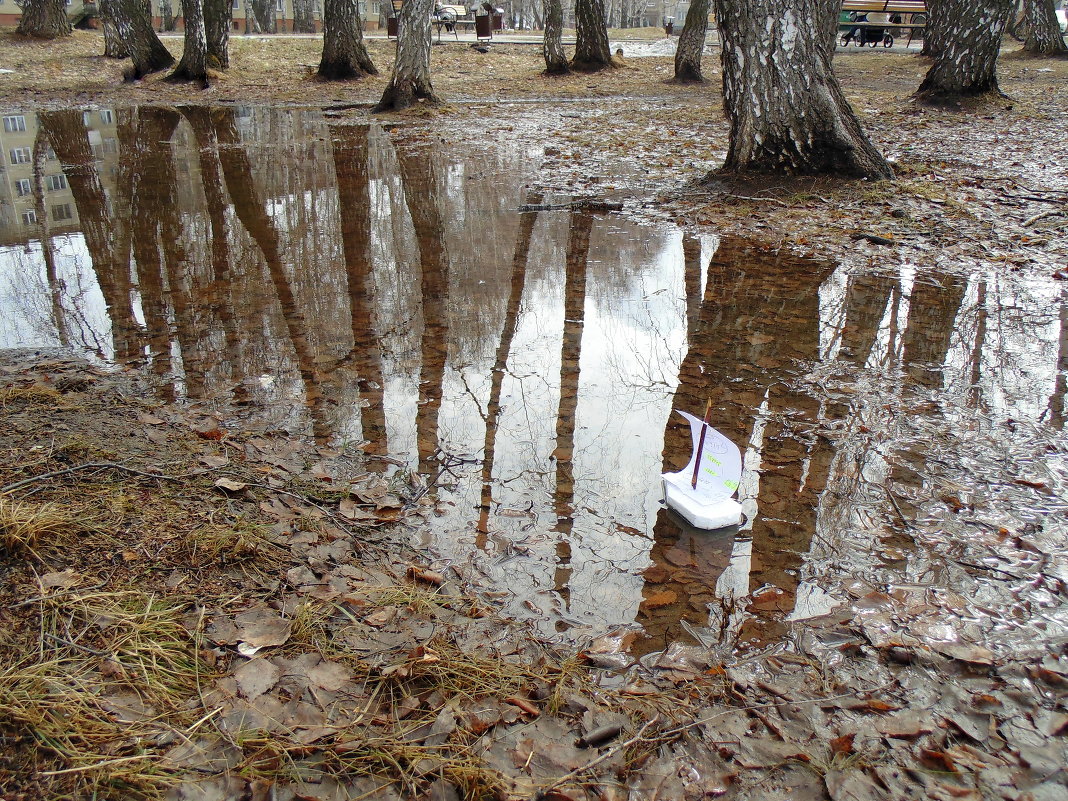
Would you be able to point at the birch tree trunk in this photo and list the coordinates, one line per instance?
(135, 30)
(966, 62)
(344, 53)
(194, 63)
(114, 47)
(787, 113)
(266, 18)
(410, 81)
(552, 48)
(218, 16)
(934, 33)
(303, 18)
(1043, 30)
(591, 37)
(44, 19)
(692, 44)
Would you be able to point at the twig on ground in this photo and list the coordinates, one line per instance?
(1032, 220)
(87, 466)
(611, 752)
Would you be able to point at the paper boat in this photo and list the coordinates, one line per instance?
(702, 491)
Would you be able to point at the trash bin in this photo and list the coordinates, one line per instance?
(498, 19)
(669, 26)
(482, 27)
(392, 27)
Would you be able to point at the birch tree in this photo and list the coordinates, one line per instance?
(410, 81)
(692, 43)
(344, 53)
(44, 19)
(966, 58)
(134, 27)
(592, 51)
(194, 63)
(552, 48)
(114, 47)
(787, 113)
(1043, 30)
(218, 16)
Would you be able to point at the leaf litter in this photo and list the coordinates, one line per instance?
(335, 663)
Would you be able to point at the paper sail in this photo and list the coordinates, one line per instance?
(707, 504)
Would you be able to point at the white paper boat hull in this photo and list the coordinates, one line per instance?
(718, 514)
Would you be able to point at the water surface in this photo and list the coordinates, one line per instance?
(381, 291)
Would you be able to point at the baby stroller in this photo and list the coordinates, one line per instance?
(866, 35)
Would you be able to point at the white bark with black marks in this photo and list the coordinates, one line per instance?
(218, 16)
(592, 51)
(344, 53)
(787, 113)
(692, 43)
(194, 63)
(410, 82)
(1043, 30)
(966, 58)
(552, 48)
(134, 27)
(114, 47)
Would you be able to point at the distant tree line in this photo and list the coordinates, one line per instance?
(786, 110)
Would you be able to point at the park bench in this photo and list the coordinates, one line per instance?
(870, 21)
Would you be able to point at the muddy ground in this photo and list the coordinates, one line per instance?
(207, 614)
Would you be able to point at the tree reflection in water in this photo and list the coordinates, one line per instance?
(379, 291)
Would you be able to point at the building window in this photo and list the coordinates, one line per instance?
(106, 117)
(62, 212)
(29, 217)
(281, 7)
(87, 117)
(20, 155)
(22, 187)
(14, 124)
(56, 182)
(110, 145)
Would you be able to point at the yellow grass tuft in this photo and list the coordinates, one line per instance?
(24, 525)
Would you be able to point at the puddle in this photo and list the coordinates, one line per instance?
(902, 429)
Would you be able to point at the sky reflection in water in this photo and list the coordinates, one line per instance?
(363, 286)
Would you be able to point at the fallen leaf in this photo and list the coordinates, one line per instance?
(230, 484)
(256, 677)
(843, 745)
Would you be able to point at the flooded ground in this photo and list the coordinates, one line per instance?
(418, 299)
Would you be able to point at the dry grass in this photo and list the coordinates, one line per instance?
(24, 525)
(114, 681)
(33, 395)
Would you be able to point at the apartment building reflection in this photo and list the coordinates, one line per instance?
(19, 208)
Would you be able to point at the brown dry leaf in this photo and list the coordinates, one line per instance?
(904, 726)
(230, 484)
(350, 510)
(261, 627)
(962, 652)
(329, 675)
(256, 677)
(939, 760)
(843, 745)
(660, 599)
(381, 617)
(214, 461)
(64, 579)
